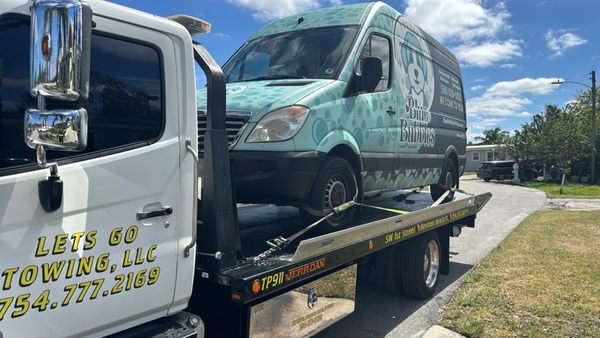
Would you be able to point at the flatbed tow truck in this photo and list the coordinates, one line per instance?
(297, 286)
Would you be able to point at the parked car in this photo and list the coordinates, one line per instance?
(342, 102)
(499, 170)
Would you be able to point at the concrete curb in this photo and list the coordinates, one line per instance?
(437, 331)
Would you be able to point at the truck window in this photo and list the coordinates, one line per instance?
(378, 46)
(125, 107)
(317, 53)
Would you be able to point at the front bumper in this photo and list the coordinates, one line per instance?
(274, 177)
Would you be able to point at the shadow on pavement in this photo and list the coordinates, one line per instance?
(378, 312)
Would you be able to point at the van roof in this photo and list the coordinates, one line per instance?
(332, 16)
(354, 14)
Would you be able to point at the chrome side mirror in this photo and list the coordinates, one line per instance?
(64, 130)
(60, 49)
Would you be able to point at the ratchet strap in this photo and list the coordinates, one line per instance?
(280, 242)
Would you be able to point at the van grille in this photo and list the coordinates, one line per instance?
(235, 122)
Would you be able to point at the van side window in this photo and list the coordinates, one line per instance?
(125, 105)
(378, 46)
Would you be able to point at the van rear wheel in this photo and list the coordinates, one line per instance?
(449, 179)
(336, 183)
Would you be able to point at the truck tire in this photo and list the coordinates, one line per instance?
(487, 179)
(420, 265)
(335, 184)
(449, 179)
(387, 269)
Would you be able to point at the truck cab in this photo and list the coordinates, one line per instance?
(101, 231)
(114, 244)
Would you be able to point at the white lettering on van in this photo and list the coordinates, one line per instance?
(415, 130)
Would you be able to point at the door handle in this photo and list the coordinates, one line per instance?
(164, 211)
(390, 111)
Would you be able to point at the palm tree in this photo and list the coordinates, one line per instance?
(491, 136)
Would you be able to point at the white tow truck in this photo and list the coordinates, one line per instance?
(100, 232)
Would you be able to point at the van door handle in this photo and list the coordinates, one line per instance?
(164, 211)
(391, 111)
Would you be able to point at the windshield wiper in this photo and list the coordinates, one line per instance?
(273, 77)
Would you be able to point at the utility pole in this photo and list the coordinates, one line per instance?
(593, 172)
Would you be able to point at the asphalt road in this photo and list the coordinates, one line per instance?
(380, 314)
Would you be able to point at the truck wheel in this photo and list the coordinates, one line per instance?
(420, 265)
(486, 179)
(387, 269)
(449, 179)
(335, 184)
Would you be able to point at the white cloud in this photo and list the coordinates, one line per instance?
(470, 28)
(485, 123)
(558, 42)
(487, 53)
(570, 102)
(457, 19)
(471, 136)
(508, 98)
(496, 106)
(476, 88)
(221, 35)
(539, 86)
(508, 65)
(265, 10)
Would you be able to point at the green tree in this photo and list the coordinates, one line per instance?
(491, 136)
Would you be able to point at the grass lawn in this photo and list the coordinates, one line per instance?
(571, 190)
(542, 281)
(469, 173)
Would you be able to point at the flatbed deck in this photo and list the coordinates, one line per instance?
(316, 256)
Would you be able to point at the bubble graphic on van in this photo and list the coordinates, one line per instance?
(358, 136)
(320, 130)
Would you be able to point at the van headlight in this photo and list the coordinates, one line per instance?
(279, 125)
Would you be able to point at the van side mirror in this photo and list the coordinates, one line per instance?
(369, 77)
(372, 72)
(61, 33)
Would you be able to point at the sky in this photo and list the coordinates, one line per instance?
(510, 51)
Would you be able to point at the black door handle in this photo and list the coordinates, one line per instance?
(164, 211)
(391, 111)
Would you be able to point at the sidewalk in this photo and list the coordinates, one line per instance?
(572, 204)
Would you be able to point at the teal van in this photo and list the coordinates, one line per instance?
(339, 103)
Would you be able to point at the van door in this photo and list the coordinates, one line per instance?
(376, 116)
(103, 260)
(426, 130)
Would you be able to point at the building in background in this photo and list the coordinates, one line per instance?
(483, 153)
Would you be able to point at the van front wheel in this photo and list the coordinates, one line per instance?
(335, 184)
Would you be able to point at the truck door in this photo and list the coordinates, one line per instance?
(104, 259)
(377, 117)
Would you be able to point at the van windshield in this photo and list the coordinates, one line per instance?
(317, 53)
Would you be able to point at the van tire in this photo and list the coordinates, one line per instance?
(420, 265)
(487, 179)
(335, 184)
(449, 178)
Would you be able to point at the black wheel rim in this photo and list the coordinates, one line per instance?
(336, 193)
